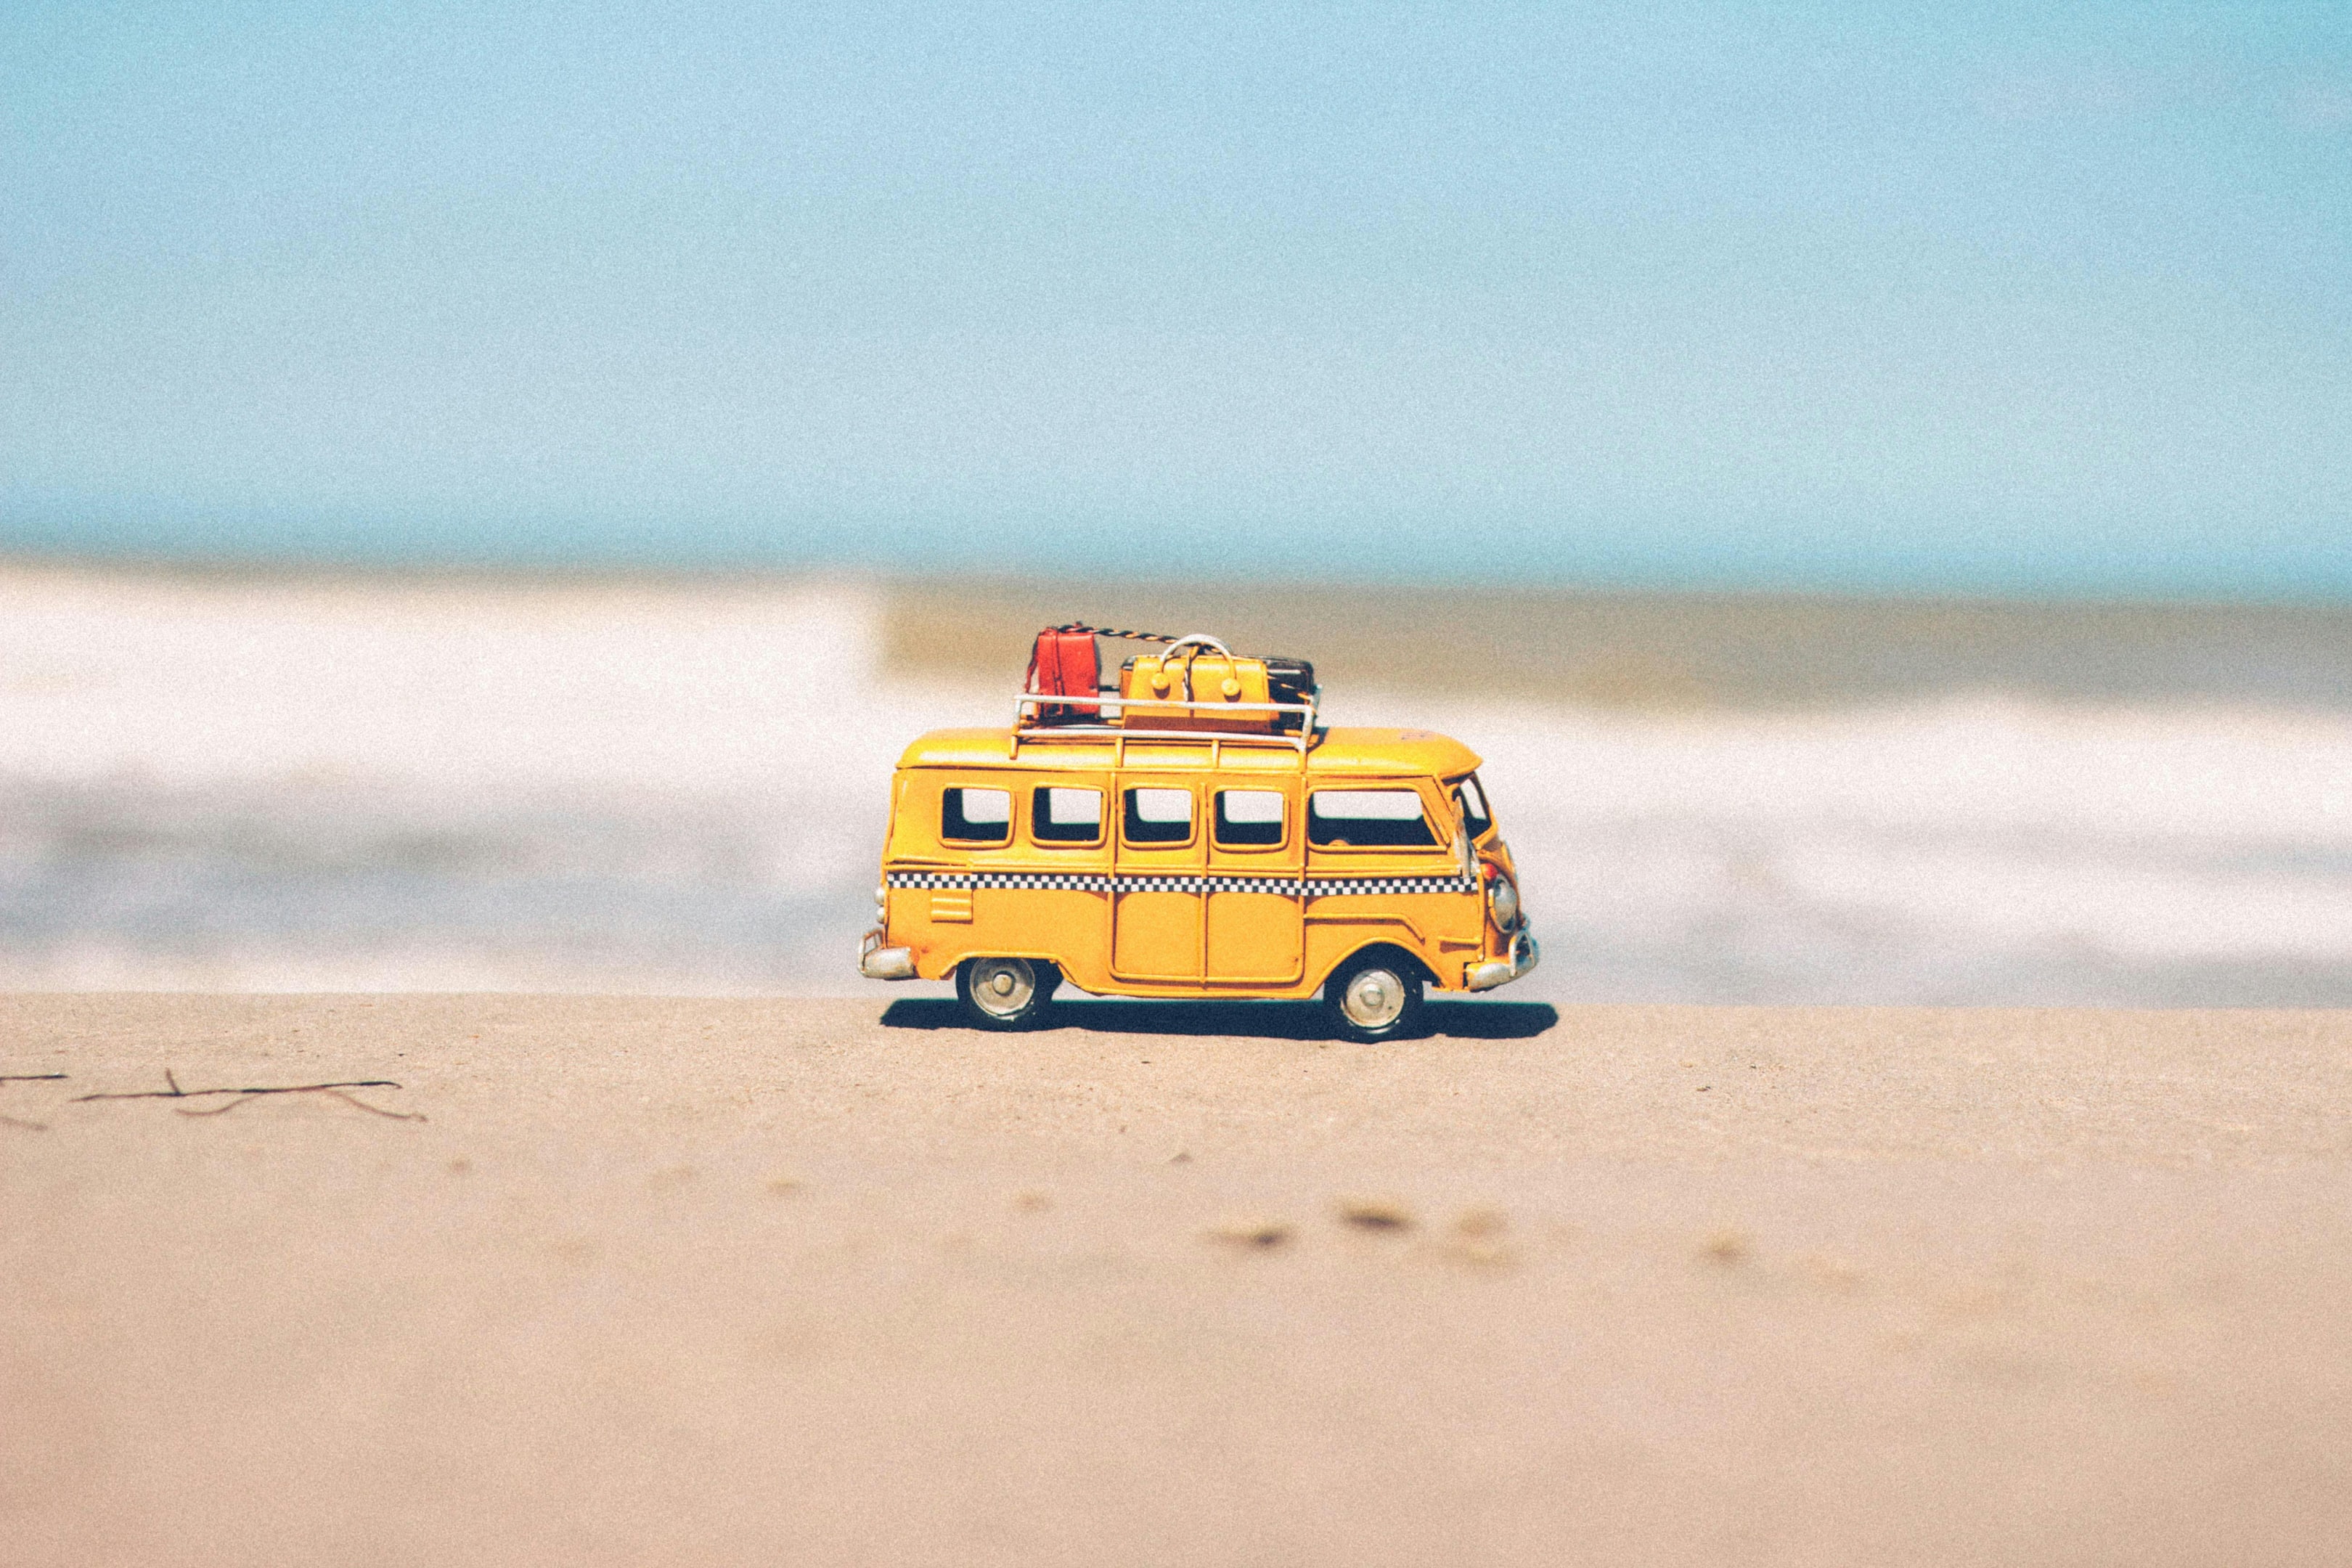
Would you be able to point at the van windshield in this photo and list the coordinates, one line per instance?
(1474, 814)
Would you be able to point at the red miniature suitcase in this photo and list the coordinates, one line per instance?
(1062, 664)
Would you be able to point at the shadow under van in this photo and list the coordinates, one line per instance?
(1258, 1020)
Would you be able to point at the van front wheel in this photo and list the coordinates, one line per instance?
(1005, 992)
(1374, 996)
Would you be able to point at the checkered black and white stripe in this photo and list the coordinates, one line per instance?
(1077, 882)
(1329, 887)
(1094, 882)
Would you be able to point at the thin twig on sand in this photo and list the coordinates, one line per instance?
(242, 1096)
(26, 1078)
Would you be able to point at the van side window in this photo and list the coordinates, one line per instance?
(976, 815)
(1382, 818)
(1058, 816)
(1249, 818)
(1158, 815)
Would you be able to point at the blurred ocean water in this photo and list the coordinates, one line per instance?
(402, 784)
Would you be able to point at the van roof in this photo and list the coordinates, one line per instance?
(1336, 750)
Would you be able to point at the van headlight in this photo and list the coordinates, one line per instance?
(1502, 899)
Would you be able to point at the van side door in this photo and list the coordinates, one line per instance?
(1257, 898)
(1381, 854)
(1056, 906)
(1156, 900)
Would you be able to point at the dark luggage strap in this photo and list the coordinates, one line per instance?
(1108, 632)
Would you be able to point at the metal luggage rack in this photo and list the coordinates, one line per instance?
(1028, 723)
(1028, 726)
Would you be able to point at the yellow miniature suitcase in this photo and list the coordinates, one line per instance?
(1196, 683)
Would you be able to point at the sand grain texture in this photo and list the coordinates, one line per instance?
(791, 1281)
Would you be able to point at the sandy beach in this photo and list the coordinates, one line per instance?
(630, 1280)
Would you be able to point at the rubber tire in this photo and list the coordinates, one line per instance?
(1046, 979)
(1407, 975)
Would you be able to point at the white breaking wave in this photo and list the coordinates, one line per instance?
(396, 785)
(2003, 829)
(431, 687)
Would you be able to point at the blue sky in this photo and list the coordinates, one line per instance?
(1943, 296)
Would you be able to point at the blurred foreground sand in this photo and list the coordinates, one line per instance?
(816, 1282)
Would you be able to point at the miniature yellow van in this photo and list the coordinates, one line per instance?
(1194, 837)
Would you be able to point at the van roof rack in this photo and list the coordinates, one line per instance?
(1028, 723)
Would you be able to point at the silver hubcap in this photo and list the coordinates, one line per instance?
(1003, 986)
(1373, 999)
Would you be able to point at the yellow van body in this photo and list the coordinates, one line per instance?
(1216, 864)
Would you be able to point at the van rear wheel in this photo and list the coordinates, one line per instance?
(1374, 996)
(1005, 992)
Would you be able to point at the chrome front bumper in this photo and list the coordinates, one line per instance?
(1503, 971)
(878, 962)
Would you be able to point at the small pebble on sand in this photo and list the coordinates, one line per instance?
(1725, 1246)
(1375, 1214)
(1256, 1234)
(1479, 1237)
